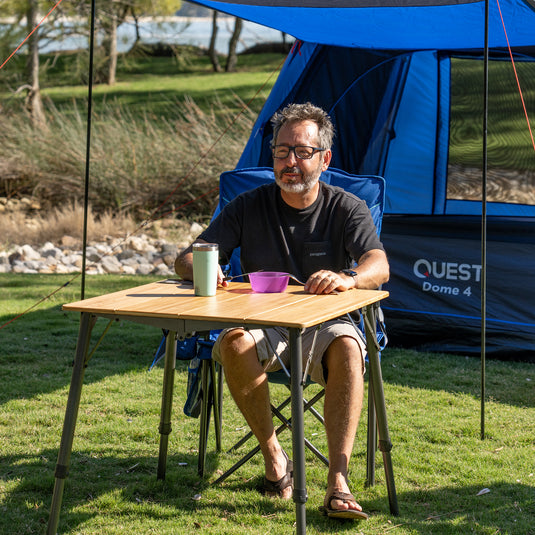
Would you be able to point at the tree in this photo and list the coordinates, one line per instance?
(34, 103)
(30, 11)
(212, 52)
(232, 58)
(113, 13)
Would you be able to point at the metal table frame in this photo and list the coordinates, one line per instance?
(183, 327)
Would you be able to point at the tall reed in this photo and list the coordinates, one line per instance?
(137, 161)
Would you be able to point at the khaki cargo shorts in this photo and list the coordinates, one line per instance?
(274, 341)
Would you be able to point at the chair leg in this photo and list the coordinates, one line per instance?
(206, 406)
(286, 424)
(216, 379)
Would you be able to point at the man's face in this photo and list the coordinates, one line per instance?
(292, 174)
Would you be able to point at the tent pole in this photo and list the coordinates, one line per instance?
(88, 144)
(484, 219)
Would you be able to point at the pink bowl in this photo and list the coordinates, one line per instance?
(269, 281)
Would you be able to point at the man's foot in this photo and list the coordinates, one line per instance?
(283, 487)
(342, 505)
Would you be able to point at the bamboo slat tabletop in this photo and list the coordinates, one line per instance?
(235, 303)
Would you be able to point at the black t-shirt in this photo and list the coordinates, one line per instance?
(335, 230)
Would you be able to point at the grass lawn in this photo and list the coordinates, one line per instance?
(440, 462)
(153, 85)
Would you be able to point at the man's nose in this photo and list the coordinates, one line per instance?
(292, 156)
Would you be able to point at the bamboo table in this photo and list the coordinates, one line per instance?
(172, 305)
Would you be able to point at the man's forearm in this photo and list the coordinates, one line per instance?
(373, 269)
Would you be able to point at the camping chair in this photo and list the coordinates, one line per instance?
(370, 189)
(207, 392)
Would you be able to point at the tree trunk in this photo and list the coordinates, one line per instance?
(212, 52)
(111, 41)
(232, 58)
(34, 104)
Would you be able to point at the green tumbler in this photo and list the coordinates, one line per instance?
(205, 264)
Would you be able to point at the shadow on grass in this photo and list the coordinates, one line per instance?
(111, 486)
(38, 351)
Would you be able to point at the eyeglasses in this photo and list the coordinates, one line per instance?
(301, 151)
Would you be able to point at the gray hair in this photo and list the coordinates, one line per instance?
(305, 112)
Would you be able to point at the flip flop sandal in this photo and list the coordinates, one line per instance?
(351, 514)
(271, 488)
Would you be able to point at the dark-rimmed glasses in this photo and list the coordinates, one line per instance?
(302, 152)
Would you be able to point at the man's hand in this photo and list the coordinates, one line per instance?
(221, 278)
(326, 282)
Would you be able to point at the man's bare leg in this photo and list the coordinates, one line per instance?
(248, 385)
(343, 403)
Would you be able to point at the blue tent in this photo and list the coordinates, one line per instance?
(397, 77)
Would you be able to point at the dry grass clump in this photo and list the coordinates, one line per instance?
(138, 163)
(20, 227)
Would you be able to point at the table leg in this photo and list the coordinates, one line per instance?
(376, 381)
(372, 438)
(298, 434)
(167, 401)
(87, 321)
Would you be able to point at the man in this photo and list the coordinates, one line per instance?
(314, 231)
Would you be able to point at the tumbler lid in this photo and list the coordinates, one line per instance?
(205, 247)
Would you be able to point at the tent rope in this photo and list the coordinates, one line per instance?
(31, 33)
(516, 75)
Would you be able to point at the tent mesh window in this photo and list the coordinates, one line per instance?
(510, 160)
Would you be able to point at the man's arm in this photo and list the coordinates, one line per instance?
(184, 263)
(372, 271)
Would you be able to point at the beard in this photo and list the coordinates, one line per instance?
(304, 185)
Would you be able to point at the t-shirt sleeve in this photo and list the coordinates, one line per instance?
(361, 233)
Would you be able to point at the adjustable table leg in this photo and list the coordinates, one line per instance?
(298, 433)
(71, 414)
(167, 401)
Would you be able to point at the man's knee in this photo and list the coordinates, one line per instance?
(235, 343)
(345, 354)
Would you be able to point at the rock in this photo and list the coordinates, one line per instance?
(128, 270)
(91, 254)
(144, 269)
(29, 253)
(169, 248)
(110, 264)
(195, 229)
(137, 255)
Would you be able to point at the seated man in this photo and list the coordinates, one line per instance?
(314, 231)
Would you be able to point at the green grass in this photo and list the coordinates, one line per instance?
(440, 462)
(152, 85)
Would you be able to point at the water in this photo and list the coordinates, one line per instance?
(179, 31)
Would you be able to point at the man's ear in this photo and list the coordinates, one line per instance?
(327, 155)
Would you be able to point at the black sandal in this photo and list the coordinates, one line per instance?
(351, 514)
(275, 488)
